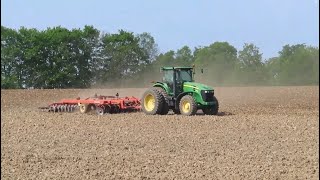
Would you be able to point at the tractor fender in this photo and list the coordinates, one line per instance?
(176, 105)
(162, 85)
(195, 95)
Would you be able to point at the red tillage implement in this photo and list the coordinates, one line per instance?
(101, 104)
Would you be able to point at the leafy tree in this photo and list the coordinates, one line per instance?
(218, 61)
(166, 59)
(251, 65)
(122, 56)
(87, 49)
(272, 67)
(148, 46)
(299, 65)
(78, 58)
(29, 58)
(9, 59)
(184, 56)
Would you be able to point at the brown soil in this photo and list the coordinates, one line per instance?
(260, 133)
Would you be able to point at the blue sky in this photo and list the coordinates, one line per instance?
(269, 24)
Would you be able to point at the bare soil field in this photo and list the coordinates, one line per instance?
(259, 133)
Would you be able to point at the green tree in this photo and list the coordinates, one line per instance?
(62, 58)
(218, 61)
(299, 65)
(184, 56)
(10, 64)
(272, 67)
(251, 65)
(29, 58)
(148, 46)
(86, 52)
(122, 56)
(166, 59)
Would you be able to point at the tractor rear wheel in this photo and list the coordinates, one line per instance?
(152, 102)
(212, 110)
(188, 105)
(165, 108)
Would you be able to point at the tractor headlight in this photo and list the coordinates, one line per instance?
(209, 91)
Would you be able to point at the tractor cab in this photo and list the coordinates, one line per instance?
(174, 77)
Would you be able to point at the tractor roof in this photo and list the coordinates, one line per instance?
(178, 67)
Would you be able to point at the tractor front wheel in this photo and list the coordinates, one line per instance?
(152, 102)
(188, 106)
(212, 110)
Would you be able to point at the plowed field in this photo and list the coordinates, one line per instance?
(259, 133)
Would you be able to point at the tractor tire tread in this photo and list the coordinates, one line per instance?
(158, 102)
(165, 108)
(193, 105)
(212, 110)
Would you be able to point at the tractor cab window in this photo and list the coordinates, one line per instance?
(168, 76)
(184, 75)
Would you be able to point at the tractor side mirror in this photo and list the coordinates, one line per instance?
(202, 71)
(193, 69)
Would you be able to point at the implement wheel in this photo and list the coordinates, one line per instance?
(84, 108)
(100, 110)
(188, 106)
(152, 102)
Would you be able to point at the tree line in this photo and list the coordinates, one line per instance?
(80, 58)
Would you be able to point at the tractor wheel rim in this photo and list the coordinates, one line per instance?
(186, 106)
(149, 102)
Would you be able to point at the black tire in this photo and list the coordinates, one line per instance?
(158, 102)
(212, 110)
(100, 110)
(107, 109)
(165, 106)
(190, 108)
(91, 107)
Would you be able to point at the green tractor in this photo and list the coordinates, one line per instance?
(179, 92)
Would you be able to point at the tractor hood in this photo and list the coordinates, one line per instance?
(194, 85)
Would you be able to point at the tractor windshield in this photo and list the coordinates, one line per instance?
(185, 75)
